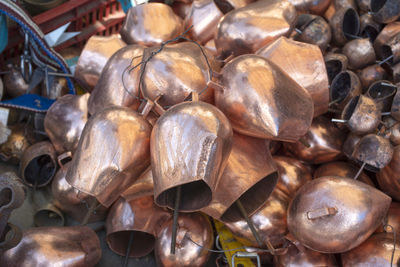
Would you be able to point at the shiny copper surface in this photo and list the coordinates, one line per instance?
(38, 164)
(383, 93)
(122, 138)
(16, 144)
(250, 175)
(342, 169)
(175, 72)
(94, 56)
(344, 87)
(371, 74)
(349, 144)
(303, 63)
(334, 215)
(395, 134)
(191, 227)
(369, 27)
(204, 17)
(210, 46)
(395, 107)
(151, 24)
(118, 84)
(360, 53)
(55, 246)
(71, 201)
(139, 217)
(247, 29)
(387, 33)
(65, 120)
(310, 6)
(306, 258)
(385, 11)
(362, 114)
(314, 30)
(344, 21)
(335, 63)
(190, 146)
(143, 186)
(393, 218)
(228, 5)
(292, 175)
(14, 83)
(325, 141)
(261, 100)
(376, 251)
(389, 177)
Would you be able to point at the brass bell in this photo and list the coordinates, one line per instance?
(64, 122)
(118, 82)
(383, 93)
(303, 63)
(143, 23)
(248, 94)
(143, 186)
(389, 177)
(385, 11)
(387, 33)
(335, 63)
(371, 74)
(360, 53)
(55, 246)
(309, 6)
(345, 25)
(94, 56)
(313, 30)
(194, 239)
(344, 87)
(334, 215)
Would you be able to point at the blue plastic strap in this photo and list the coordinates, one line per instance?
(29, 102)
(3, 33)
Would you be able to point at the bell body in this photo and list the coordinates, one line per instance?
(14, 83)
(121, 138)
(296, 258)
(369, 28)
(190, 145)
(385, 11)
(395, 108)
(345, 23)
(335, 63)
(334, 215)
(94, 57)
(262, 101)
(151, 24)
(360, 53)
(314, 30)
(65, 120)
(143, 186)
(387, 33)
(309, 6)
(371, 74)
(247, 29)
(383, 93)
(118, 83)
(349, 144)
(55, 246)
(389, 177)
(344, 87)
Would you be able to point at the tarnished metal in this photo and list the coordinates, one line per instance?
(310, 6)
(14, 83)
(118, 83)
(55, 246)
(395, 133)
(194, 238)
(303, 63)
(369, 28)
(334, 215)
(260, 100)
(349, 144)
(313, 30)
(345, 4)
(38, 164)
(389, 177)
(65, 120)
(383, 93)
(247, 29)
(392, 219)
(16, 144)
(344, 87)
(395, 108)
(122, 138)
(139, 217)
(387, 33)
(363, 5)
(251, 176)
(385, 11)
(371, 74)
(360, 53)
(143, 186)
(94, 56)
(46, 214)
(390, 51)
(325, 141)
(151, 24)
(303, 258)
(335, 64)
(190, 146)
(345, 23)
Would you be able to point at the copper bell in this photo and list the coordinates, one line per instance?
(371, 74)
(38, 164)
(194, 239)
(369, 28)
(344, 87)
(335, 64)
(247, 29)
(325, 141)
(383, 93)
(71, 201)
(65, 120)
(190, 145)
(360, 53)
(143, 186)
(176, 71)
(310, 6)
(391, 50)
(94, 56)
(387, 33)
(345, 23)
(389, 177)
(349, 144)
(303, 63)
(182, 9)
(248, 94)
(118, 82)
(151, 24)
(375, 251)
(362, 115)
(251, 176)
(334, 215)
(139, 220)
(313, 30)
(122, 138)
(55, 246)
(395, 133)
(392, 220)
(345, 3)
(385, 11)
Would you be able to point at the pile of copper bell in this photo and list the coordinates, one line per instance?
(219, 133)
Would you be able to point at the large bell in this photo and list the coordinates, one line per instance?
(389, 177)
(143, 186)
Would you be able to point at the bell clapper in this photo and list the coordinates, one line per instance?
(128, 249)
(249, 222)
(175, 219)
(91, 209)
(360, 170)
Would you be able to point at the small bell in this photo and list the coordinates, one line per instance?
(385, 11)
(369, 27)
(313, 30)
(360, 53)
(344, 87)
(345, 25)
(371, 74)
(349, 145)
(335, 64)
(387, 33)
(389, 177)
(382, 92)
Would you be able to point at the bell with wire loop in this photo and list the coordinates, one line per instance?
(335, 63)
(345, 25)
(384, 36)
(371, 74)
(360, 53)
(344, 87)
(382, 92)
(313, 30)
(385, 11)
(369, 28)
(119, 81)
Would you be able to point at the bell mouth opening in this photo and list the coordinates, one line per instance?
(143, 243)
(351, 23)
(224, 6)
(377, 5)
(333, 67)
(47, 217)
(252, 199)
(387, 52)
(40, 171)
(382, 90)
(370, 32)
(351, 106)
(6, 196)
(194, 196)
(340, 87)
